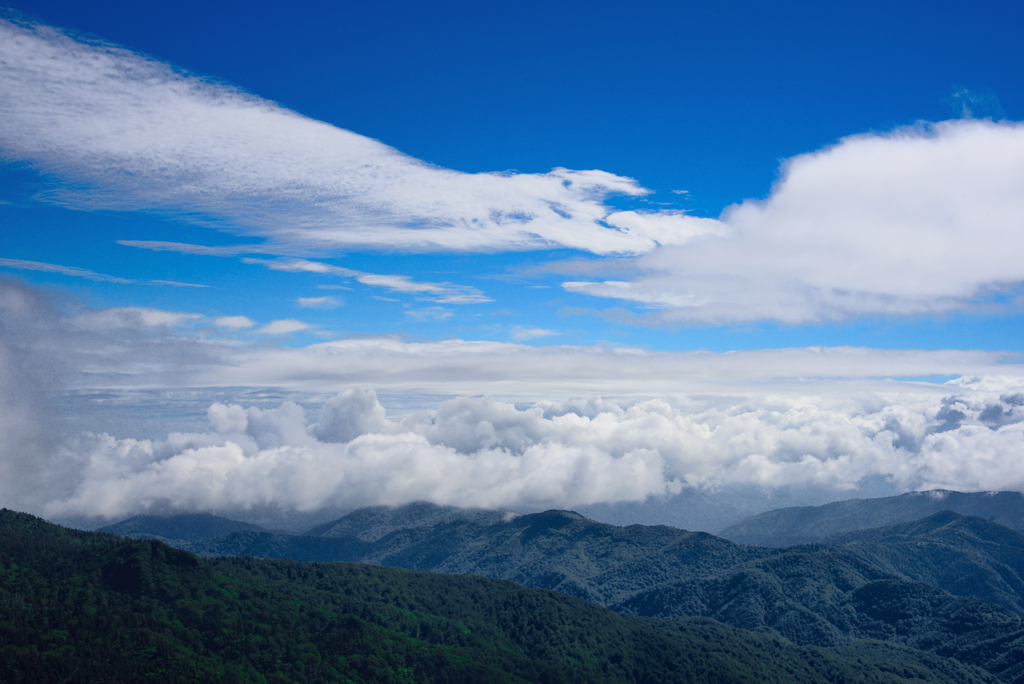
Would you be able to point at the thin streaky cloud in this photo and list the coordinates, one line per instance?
(319, 302)
(445, 293)
(430, 313)
(175, 283)
(521, 333)
(63, 270)
(203, 250)
(303, 266)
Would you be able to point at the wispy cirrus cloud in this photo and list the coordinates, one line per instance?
(445, 293)
(522, 333)
(202, 250)
(429, 313)
(319, 302)
(918, 220)
(175, 283)
(75, 272)
(129, 132)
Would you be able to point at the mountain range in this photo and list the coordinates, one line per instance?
(86, 606)
(807, 524)
(948, 584)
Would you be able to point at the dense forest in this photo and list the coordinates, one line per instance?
(82, 606)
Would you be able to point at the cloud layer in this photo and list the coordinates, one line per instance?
(482, 452)
(134, 348)
(919, 220)
(134, 133)
(826, 418)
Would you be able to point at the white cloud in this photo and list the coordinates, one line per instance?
(529, 373)
(319, 302)
(175, 283)
(76, 272)
(203, 250)
(234, 322)
(429, 313)
(770, 418)
(482, 452)
(284, 327)
(115, 349)
(63, 270)
(134, 133)
(918, 220)
(133, 317)
(446, 293)
(523, 333)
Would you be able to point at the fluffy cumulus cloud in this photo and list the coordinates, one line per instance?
(917, 220)
(483, 452)
(136, 133)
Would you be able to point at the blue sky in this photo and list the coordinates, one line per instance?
(232, 180)
(704, 99)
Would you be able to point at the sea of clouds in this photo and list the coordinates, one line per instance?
(479, 452)
(812, 418)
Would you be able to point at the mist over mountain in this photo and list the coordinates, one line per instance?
(370, 524)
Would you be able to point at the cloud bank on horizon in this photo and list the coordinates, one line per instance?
(478, 452)
(715, 421)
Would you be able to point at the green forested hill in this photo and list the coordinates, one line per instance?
(80, 606)
(966, 556)
(827, 596)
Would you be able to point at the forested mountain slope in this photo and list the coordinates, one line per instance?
(826, 596)
(558, 550)
(822, 595)
(82, 606)
(966, 556)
